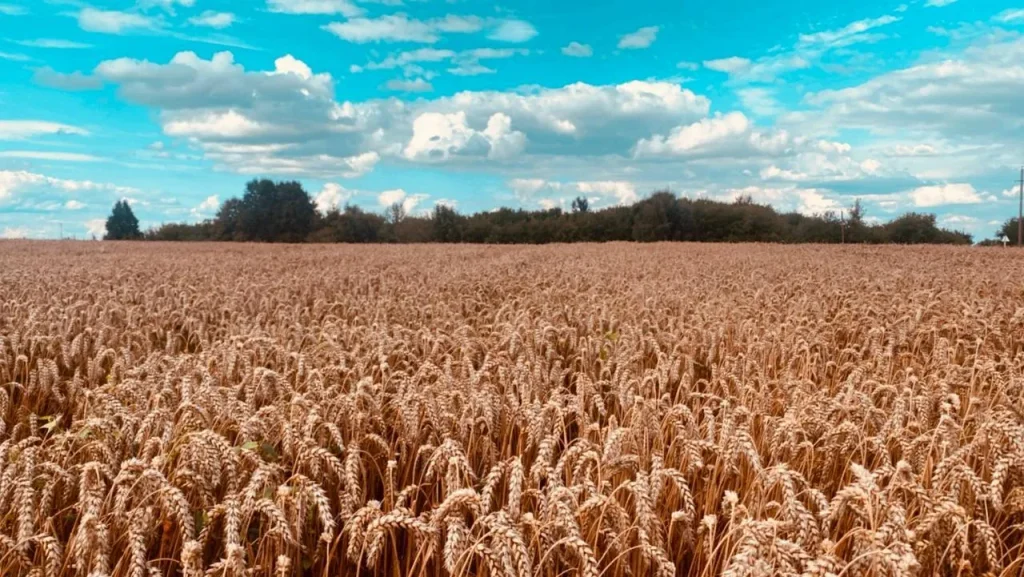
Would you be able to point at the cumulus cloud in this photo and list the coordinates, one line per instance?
(760, 101)
(730, 65)
(74, 81)
(288, 120)
(972, 95)
(74, 205)
(553, 193)
(437, 136)
(939, 3)
(212, 19)
(207, 208)
(113, 22)
(398, 196)
(387, 28)
(937, 195)
(728, 135)
(343, 7)
(22, 129)
(96, 227)
(401, 28)
(578, 50)
(165, 5)
(409, 85)
(17, 181)
(640, 39)
(11, 233)
(331, 196)
(513, 31)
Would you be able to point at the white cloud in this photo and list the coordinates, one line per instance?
(74, 205)
(409, 85)
(165, 5)
(400, 28)
(558, 193)
(730, 65)
(332, 195)
(112, 21)
(513, 31)
(96, 227)
(14, 181)
(22, 129)
(729, 134)
(212, 19)
(389, 197)
(408, 201)
(74, 81)
(438, 136)
(288, 121)
(230, 124)
(12, 10)
(852, 33)
(697, 135)
(343, 7)
(642, 38)
(973, 95)
(623, 192)
(1011, 15)
(939, 3)
(760, 101)
(11, 233)
(49, 155)
(288, 64)
(913, 150)
(207, 208)
(938, 195)
(687, 65)
(1011, 192)
(388, 28)
(815, 202)
(53, 43)
(578, 50)
(15, 57)
(209, 205)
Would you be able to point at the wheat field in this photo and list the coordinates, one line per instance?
(615, 410)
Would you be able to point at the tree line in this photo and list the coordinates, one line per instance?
(284, 212)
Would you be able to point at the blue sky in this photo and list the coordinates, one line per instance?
(175, 104)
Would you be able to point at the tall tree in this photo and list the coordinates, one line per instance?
(447, 224)
(122, 224)
(275, 212)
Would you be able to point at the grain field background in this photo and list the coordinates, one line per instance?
(616, 410)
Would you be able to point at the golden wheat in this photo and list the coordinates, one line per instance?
(614, 410)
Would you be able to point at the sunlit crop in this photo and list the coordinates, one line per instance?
(617, 410)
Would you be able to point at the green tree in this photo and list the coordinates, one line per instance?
(122, 224)
(269, 212)
(1009, 229)
(447, 224)
(580, 204)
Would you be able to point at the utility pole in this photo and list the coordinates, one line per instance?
(1020, 210)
